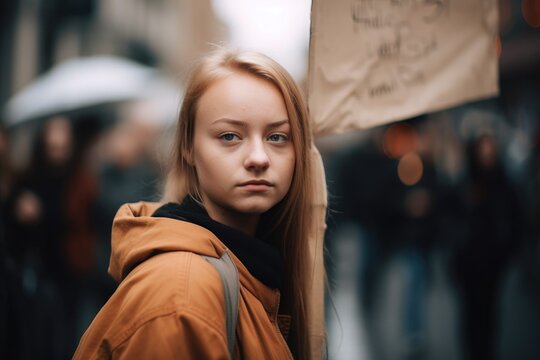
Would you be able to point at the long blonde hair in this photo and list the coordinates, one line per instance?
(290, 216)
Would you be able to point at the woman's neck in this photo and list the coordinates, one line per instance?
(246, 223)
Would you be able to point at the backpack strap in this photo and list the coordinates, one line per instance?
(231, 288)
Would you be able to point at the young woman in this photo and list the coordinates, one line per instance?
(240, 182)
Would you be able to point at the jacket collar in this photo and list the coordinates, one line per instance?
(136, 236)
(260, 258)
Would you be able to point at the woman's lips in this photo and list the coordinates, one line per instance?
(256, 185)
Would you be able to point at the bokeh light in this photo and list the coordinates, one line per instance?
(530, 9)
(399, 139)
(410, 169)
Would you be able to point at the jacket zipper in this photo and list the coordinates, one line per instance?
(280, 336)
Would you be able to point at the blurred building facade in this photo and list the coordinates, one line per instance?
(37, 34)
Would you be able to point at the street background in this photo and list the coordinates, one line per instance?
(433, 239)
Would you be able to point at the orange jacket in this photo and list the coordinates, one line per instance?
(170, 303)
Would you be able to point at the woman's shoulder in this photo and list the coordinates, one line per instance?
(169, 293)
(179, 279)
(172, 283)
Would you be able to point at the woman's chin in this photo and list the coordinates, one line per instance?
(255, 207)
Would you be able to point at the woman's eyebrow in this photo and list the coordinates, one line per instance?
(278, 123)
(230, 121)
(244, 123)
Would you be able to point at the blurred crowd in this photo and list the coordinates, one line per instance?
(466, 188)
(56, 217)
(462, 187)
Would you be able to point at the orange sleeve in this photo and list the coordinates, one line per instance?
(185, 336)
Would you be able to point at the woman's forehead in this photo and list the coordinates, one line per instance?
(242, 97)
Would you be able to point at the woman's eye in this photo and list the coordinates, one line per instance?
(229, 137)
(278, 138)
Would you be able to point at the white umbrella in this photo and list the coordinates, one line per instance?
(80, 83)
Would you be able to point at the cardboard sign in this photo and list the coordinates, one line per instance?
(377, 61)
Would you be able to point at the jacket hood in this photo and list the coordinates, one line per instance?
(137, 236)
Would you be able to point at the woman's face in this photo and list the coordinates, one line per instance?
(58, 140)
(486, 152)
(242, 148)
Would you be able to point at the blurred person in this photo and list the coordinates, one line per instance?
(494, 221)
(38, 209)
(359, 195)
(57, 192)
(35, 223)
(397, 217)
(415, 229)
(128, 172)
(50, 237)
(238, 187)
(419, 232)
(147, 123)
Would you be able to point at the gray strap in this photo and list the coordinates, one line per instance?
(231, 288)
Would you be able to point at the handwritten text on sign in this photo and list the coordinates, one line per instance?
(375, 61)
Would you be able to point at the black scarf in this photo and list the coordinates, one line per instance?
(261, 258)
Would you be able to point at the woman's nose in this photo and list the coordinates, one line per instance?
(257, 156)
